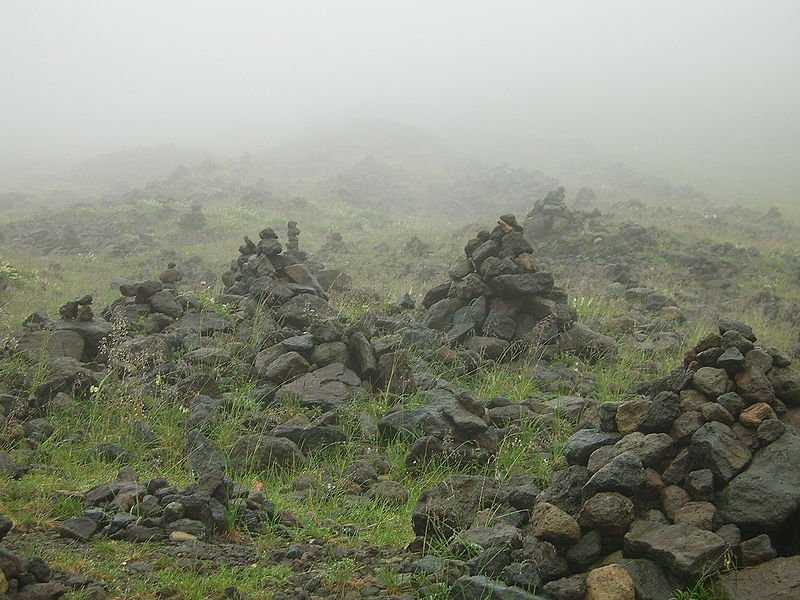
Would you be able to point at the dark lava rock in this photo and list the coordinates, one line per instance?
(765, 495)
(451, 506)
(716, 447)
(80, 529)
(683, 549)
(777, 579)
(624, 474)
(726, 325)
(566, 489)
(651, 581)
(261, 453)
(567, 588)
(755, 551)
(610, 513)
(327, 388)
(585, 441)
(664, 409)
(525, 284)
(481, 588)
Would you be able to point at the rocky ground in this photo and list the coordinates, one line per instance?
(554, 411)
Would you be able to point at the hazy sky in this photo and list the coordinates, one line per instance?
(682, 81)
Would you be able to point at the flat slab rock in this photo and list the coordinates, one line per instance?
(776, 579)
(204, 323)
(481, 588)
(328, 387)
(80, 529)
(682, 549)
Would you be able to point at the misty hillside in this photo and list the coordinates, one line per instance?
(426, 301)
(133, 167)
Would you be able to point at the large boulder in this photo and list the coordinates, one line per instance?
(446, 415)
(586, 343)
(304, 309)
(203, 323)
(52, 344)
(259, 453)
(93, 332)
(328, 388)
(684, 549)
(776, 579)
(765, 495)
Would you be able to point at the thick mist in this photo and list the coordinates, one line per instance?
(702, 92)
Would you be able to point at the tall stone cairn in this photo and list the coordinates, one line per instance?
(496, 295)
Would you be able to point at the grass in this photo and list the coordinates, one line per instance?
(330, 512)
(165, 575)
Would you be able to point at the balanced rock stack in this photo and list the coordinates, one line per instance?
(153, 303)
(77, 335)
(551, 215)
(334, 243)
(659, 490)
(496, 296)
(171, 275)
(194, 219)
(305, 340)
(293, 242)
(265, 272)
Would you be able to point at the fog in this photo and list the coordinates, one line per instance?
(702, 92)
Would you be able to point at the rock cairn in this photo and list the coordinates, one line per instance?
(306, 349)
(497, 296)
(702, 468)
(155, 510)
(194, 219)
(150, 305)
(293, 242)
(77, 335)
(171, 275)
(334, 243)
(551, 215)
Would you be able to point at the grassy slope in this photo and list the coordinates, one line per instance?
(68, 462)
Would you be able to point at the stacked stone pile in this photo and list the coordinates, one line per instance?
(155, 510)
(152, 304)
(702, 468)
(293, 242)
(295, 344)
(551, 215)
(334, 243)
(497, 300)
(78, 334)
(193, 220)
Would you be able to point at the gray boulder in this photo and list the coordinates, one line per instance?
(586, 343)
(777, 579)
(483, 588)
(765, 495)
(327, 388)
(623, 474)
(259, 453)
(583, 442)
(716, 447)
(683, 549)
